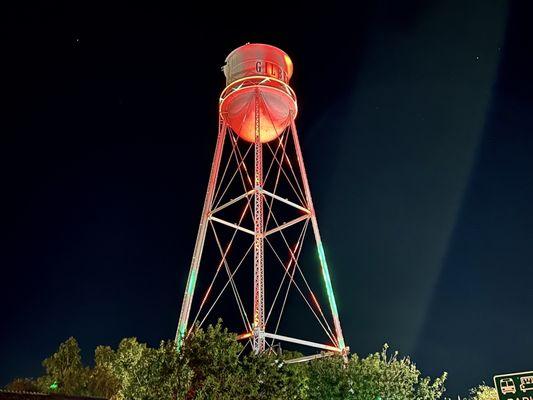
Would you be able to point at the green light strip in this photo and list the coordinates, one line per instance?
(181, 336)
(191, 284)
(329, 288)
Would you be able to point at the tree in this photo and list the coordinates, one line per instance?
(268, 377)
(213, 355)
(212, 365)
(65, 370)
(102, 380)
(483, 392)
(222, 372)
(328, 379)
(376, 376)
(146, 373)
(379, 375)
(23, 385)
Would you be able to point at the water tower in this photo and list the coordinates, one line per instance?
(258, 170)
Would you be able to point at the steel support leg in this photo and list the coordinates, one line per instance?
(320, 248)
(259, 287)
(200, 238)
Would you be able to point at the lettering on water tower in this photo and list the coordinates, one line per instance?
(270, 69)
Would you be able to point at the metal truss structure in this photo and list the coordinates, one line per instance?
(259, 195)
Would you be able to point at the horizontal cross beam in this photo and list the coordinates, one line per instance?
(232, 201)
(287, 224)
(310, 358)
(302, 342)
(290, 203)
(232, 225)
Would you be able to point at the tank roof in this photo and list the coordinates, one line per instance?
(254, 45)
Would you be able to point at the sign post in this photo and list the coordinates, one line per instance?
(516, 386)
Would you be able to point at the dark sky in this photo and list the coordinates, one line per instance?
(417, 129)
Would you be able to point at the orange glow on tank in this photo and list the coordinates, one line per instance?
(257, 90)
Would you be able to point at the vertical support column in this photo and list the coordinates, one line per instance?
(200, 238)
(259, 271)
(320, 248)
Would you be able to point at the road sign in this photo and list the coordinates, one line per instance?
(516, 386)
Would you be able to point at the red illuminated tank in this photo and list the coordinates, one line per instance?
(257, 85)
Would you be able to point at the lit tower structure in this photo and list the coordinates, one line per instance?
(258, 170)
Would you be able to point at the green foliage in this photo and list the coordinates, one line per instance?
(65, 368)
(146, 373)
(213, 355)
(269, 377)
(221, 371)
(377, 375)
(328, 379)
(213, 365)
(483, 392)
(102, 380)
(391, 378)
(23, 385)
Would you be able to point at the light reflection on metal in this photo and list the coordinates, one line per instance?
(246, 335)
(256, 120)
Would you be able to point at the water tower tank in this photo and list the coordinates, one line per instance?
(257, 91)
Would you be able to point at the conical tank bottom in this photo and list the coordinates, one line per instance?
(275, 110)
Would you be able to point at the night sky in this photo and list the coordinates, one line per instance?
(416, 121)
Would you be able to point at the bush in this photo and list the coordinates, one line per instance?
(212, 365)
